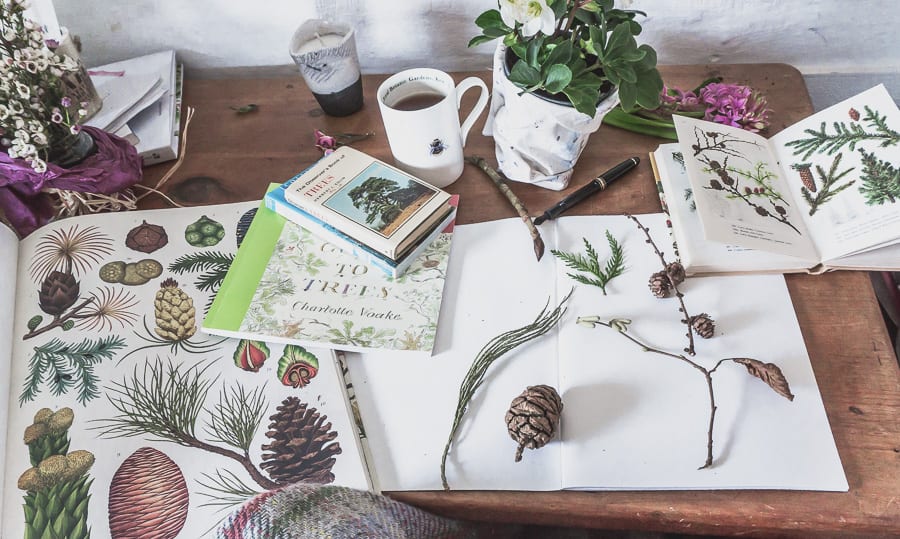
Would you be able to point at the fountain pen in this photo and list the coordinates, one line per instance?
(597, 184)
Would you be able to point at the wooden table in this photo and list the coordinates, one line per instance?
(232, 157)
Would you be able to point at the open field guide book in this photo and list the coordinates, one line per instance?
(120, 418)
(631, 418)
(822, 194)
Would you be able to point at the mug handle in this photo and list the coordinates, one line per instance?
(461, 88)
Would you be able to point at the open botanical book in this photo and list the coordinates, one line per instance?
(121, 419)
(822, 194)
(631, 419)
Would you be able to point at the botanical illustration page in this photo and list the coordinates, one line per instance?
(739, 191)
(631, 419)
(697, 253)
(9, 257)
(125, 419)
(842, 166)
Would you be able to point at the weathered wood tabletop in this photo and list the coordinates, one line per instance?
(231, 157)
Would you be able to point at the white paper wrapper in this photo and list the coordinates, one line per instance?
(537, 141)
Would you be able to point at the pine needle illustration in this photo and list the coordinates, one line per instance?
(64, 366)
(73, 250)
(164, 401)
(828, 185)
(880, 180)
(846, 134)
(214, 266)
(590, 263)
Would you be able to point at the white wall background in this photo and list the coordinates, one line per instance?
(213, 36)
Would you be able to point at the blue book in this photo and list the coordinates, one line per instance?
(276, 201)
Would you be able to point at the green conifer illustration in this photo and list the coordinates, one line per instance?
(880, 180)
(57, 486)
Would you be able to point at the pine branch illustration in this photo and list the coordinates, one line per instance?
(880, 180)
(590, 263)
(69, 365)
(849, 135)
(165, 402)
(236, 418)
(828, 181)
(201, 261)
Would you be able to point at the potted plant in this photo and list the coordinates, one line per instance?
(559, 67)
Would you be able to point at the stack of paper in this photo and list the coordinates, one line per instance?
(140, 103)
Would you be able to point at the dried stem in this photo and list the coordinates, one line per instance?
(683, 309)
(620, 326)
(59, 320)
(513, 199)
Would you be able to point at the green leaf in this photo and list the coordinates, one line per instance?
(561, 54)
(534, 50)
(617, 42)
(592, 7)
(491, 19)
(558, 77)
(524, 75)
(34, 322)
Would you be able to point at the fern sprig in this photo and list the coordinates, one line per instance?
(590, 263)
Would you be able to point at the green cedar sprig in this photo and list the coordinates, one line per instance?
(63, 366)
(614, 267)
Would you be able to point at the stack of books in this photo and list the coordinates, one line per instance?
(374, 211)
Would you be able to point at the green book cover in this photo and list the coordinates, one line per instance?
(287, 285)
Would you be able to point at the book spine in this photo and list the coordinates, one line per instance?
(275, 201)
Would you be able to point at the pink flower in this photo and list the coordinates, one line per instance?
(66, 102)
(324, 142)
(735, 105)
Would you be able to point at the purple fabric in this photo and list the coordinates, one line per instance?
(115, 166)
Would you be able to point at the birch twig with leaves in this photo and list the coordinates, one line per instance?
(590, 263)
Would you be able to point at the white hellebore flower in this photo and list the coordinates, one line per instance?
(534, 15)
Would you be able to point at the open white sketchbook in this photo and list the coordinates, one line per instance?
(631, 419)
(118, 414)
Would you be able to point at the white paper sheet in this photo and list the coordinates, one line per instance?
(631, 419)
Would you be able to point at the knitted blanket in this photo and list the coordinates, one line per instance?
(304, 510)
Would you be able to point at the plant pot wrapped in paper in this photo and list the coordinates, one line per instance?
(561, 65)
(538, 139)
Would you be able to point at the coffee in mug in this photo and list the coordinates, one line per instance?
(418, 101)
(420, 110)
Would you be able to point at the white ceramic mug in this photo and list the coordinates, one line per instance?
(428, 140)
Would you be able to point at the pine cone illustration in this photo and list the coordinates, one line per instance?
(59, 291)
(676, 273)
(174, 310)
(854, 114)
(302, 446)
(148, 497)
(660, 285)
(806, 176)
(533, 417)
(703, 325)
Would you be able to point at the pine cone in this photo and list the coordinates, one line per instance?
(675, 271)
(174, 311)
(302, 448)
(703, 325)
(806, 176)
(533, 417)
(660, 285)
(854, 114)
(59, 291)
